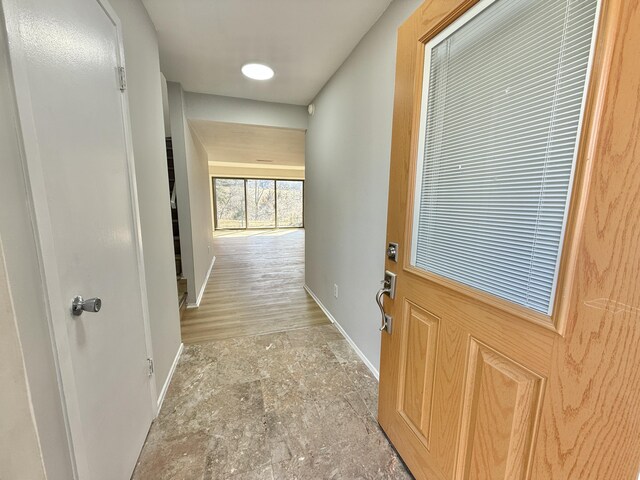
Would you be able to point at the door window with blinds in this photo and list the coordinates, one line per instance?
(502, 103)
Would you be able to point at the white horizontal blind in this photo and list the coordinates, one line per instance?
(503, 93)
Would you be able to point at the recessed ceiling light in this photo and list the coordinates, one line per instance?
(257, 71)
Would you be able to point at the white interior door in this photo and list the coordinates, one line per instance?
(65, 56)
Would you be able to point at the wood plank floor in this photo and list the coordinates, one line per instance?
(256, 287)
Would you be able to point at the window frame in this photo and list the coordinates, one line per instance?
(215, 203)
(246, 216)
(555, 319)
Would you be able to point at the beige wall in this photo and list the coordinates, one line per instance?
(20, 455)
(255, 172)
(251, 144)
(234, 150)
(148, 134)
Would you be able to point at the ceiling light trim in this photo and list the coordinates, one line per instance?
(257, 71)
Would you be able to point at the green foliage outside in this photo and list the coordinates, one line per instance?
(262, 196)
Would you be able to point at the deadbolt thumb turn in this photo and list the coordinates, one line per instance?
(389, 289)
(80, 305)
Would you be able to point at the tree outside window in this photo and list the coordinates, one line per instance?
(258, 203)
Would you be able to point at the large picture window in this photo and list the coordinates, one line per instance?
(230, 203)
(261, 204)
(241, 203)
(289, 200)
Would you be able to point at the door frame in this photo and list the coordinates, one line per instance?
(32, 164)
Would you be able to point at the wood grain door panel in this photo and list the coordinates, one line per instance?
(499, 416)
(475, 388)
(419, 346)
(454, 359)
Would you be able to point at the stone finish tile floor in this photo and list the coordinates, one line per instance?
(291, 405)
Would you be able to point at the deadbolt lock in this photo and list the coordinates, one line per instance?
(392, 252)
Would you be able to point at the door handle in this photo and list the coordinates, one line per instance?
(386, 319)
(389, 289)
(80, 305)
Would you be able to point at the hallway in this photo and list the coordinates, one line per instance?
(256, 287)
(257, 403)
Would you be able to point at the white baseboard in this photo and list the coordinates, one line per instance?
(322, 307)
(364, 359)
(204, 286)
(167, 382)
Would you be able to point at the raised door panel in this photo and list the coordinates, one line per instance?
(419, 346)
(499, 416)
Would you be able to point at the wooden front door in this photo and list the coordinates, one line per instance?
(484, 375)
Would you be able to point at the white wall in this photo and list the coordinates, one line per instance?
(165, 106)
(193, 195)
(148, 134)
(23, 271)
(201, 106)
(20, 455)
(347, 176)
(201, 210)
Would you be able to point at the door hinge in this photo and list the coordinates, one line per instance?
(122, 79)
(150, 366)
